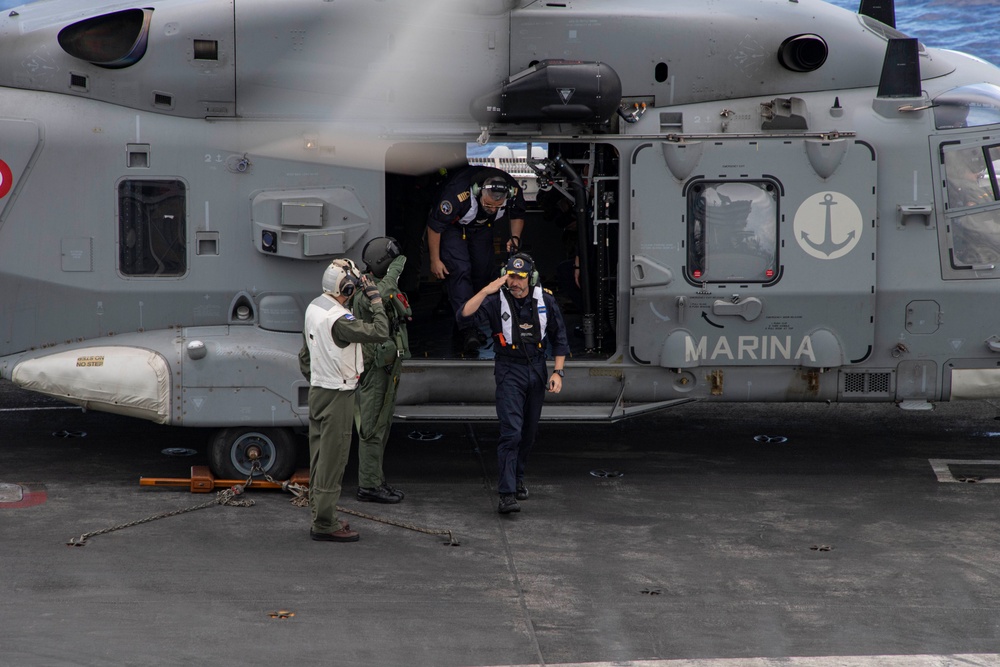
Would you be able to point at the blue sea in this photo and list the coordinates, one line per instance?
(971, 26)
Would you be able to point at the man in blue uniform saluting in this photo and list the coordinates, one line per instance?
(523, 318)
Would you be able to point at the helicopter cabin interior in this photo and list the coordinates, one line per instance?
(551, 235)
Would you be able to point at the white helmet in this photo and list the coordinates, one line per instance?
(341, 278)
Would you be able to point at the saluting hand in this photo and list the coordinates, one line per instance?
(495, 286)
(370, 289)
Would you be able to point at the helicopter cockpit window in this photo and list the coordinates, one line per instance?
(152, 237)
(967, 106)
(968, 177)
(732, 231)
(973, 211)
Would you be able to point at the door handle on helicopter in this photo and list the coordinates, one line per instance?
(749, 309)
(993, 343)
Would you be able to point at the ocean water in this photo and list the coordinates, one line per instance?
(971, 26)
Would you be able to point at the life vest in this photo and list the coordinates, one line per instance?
(516, 335)
(330, 366)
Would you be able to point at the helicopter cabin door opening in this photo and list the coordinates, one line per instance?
(415, 175)
(750, 252)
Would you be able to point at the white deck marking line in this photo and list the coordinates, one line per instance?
(952, 660)
(943, 472)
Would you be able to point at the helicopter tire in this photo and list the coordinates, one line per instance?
(231, 449)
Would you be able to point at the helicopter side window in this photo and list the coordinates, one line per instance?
(152, 237)
(968, 178)
(967, 106)
(973, 214)
(732, 231)
(976, 241)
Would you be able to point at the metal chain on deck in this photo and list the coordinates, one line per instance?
(224, 497)
(452, 542)
(301, 499)
(228, 497)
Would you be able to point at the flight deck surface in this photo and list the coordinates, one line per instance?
(849, 535)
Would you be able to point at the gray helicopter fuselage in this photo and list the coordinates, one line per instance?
(781, 231)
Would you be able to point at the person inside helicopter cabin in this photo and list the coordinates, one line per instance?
(460, 236)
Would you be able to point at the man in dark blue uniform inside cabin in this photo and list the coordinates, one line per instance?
(460, 235)
(523, 318)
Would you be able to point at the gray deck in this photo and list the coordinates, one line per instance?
(710, 548)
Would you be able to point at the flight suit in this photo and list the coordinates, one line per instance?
(331, 359)
(380, 380)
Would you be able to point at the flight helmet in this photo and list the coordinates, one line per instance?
(379, 253)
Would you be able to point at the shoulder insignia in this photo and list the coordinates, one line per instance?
(445, 207)
(462, 196)
(349, 316)
(547, 290)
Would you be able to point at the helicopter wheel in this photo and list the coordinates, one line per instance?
(232, 452)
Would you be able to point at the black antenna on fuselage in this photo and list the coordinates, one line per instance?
(880, 10)
(901, 69)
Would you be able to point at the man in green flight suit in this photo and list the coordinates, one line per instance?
(383, 365)
(331, 359)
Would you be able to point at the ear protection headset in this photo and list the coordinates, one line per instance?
(348, 286)
(338, 279)
(521, 262)
(495, 184)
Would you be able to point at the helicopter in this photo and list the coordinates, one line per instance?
(775, 200)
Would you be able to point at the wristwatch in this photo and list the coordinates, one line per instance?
(559, 372)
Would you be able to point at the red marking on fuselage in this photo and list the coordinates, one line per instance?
(6, 179)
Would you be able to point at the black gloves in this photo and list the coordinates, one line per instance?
(370, 289)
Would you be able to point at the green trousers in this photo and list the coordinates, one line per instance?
(373, 418)
(330, 421)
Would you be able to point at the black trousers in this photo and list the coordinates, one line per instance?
(519, 396)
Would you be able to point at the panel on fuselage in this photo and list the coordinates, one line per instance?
(753, 258)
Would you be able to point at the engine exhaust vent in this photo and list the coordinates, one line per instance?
(803, 53)
(114, 41)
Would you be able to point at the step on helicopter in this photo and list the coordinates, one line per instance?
(776, 200)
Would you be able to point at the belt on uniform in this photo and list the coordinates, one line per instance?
(523, 361)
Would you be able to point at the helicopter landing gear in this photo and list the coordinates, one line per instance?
(233, 451)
